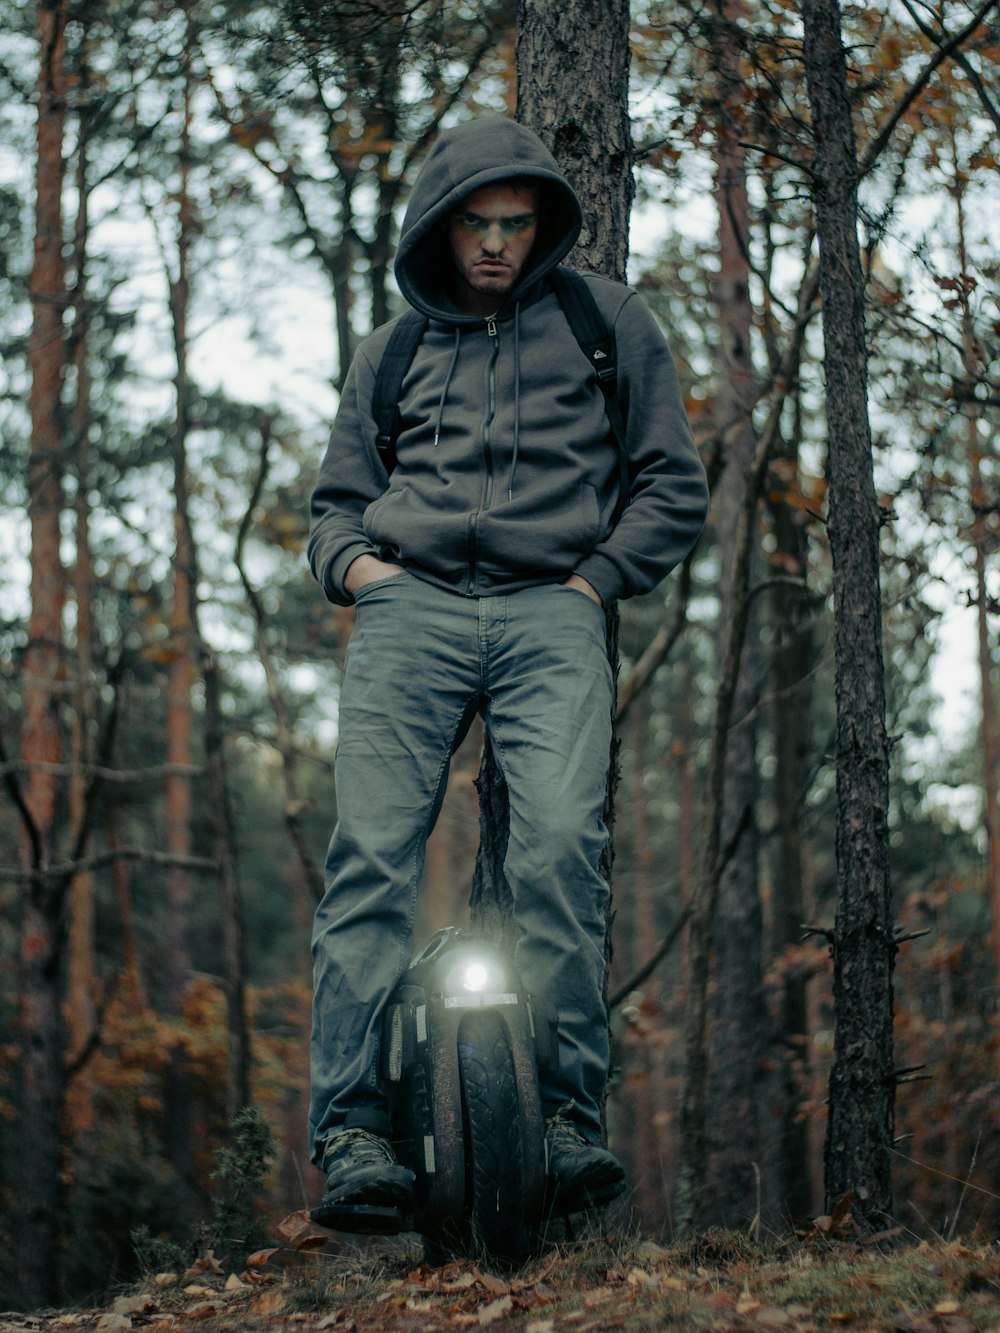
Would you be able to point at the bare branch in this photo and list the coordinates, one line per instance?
(66, 870)
(648, 968)
(960, 59)
(8, 770)
(659, 647)
(945, 49)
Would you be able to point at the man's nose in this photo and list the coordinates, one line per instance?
(493, 240)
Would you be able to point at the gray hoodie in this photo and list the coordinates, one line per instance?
(507, 471)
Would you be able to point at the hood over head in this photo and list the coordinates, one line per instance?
(480, 152)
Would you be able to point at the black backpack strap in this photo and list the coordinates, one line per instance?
(396, 359)
(597, 342)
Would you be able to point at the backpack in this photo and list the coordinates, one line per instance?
(596, 340)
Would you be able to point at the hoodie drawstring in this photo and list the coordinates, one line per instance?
(517, 399)
(517, 395)
(444, 391)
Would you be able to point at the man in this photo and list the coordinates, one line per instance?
(479, 569)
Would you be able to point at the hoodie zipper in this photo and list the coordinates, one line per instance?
(491, 407)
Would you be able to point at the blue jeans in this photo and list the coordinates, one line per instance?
(420, 660)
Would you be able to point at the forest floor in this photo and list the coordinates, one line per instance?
(817, 1281)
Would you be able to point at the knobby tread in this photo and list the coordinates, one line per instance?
(495, 1137)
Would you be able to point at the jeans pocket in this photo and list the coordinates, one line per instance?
(373, 584)
(578, 592)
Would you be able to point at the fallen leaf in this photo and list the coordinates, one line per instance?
(203, 1267)
(496, 1286)
(461, 1282)
(203, 1309)
(233, 1283)
(197, 1289)
(540, 1326)
(300, 1232)
(111, 1322)
(495, 1310)
(165, 1280)
(947, 1307)
(134, 1305)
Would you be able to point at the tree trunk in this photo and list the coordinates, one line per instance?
(82, 981)
(233, 930)
(693, 1151)
(177, 963)
(791, 666)
(862, 1084)
(973, 358)
(37, 1187)
(572, 90)
(737, 1042)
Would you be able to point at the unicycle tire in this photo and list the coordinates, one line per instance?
(496, 1201)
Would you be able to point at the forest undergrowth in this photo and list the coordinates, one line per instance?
(827, 1276)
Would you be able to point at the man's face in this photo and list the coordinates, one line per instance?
(491, 235)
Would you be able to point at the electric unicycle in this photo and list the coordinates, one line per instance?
(461, 1048)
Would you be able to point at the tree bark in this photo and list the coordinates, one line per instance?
(233, 927)
(973, 358)
(81, 1000)
(572, 90)
(177, 963)
(737, 1039)
(572, 82)
(693, 1150)
(862, 1084)
(40, 945)
(790, 673)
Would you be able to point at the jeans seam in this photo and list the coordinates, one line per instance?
(414, 883)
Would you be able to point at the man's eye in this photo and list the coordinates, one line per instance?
(509, 226)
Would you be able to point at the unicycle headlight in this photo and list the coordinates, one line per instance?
(474, 975)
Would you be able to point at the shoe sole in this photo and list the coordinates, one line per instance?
(370, 1208)
(583, 1195)
(363, 1219)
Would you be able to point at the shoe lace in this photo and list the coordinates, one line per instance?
(560, 1129)
(361, 1144)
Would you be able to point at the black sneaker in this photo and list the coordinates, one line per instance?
(367, 1190)
(579, 1175)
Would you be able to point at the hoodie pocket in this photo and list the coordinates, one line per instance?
(405, 526)
(550, 536)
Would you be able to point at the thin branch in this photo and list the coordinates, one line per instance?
(68, 869)
(285, 739)
(945, 49)
(960, 59)
(119, 776)
(648, 968)
(17, 796)
(781, 157)
(659, 647)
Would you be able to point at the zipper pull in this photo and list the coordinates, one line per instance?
(491, 325)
